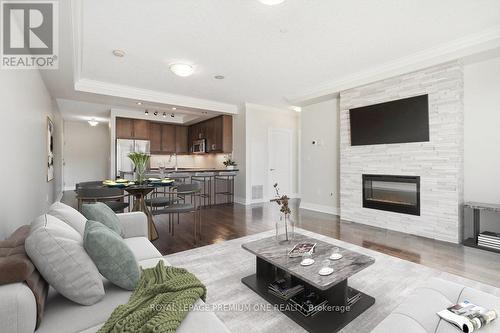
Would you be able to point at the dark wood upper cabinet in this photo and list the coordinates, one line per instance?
(155, 137)
(217, 131)
(141, 129)
(181, 140)
(168, 144)
(124, 128)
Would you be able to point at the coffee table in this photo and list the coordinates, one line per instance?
(273, 262)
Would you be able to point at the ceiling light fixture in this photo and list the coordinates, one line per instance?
(139, 103)
(119, 53)
(174, 108)
(92, 122)
(146, 112)
(155, 113)
(219, 77)
(164, 114)
(172, 115)
(296, 108)
(271, 2)
(181, 69)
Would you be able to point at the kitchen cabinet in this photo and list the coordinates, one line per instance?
(181, 140)
(127, 128)
(155, 137)
(141, 129)
(168, 144)
(217, 131)
(124, 128)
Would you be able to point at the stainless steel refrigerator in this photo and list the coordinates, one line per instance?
(124, 166)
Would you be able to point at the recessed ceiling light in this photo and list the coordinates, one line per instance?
(271, 2)
(174, 108)
(139, 103)
(93, 122)
(181, 69)
(119, 53)
(296, 108)
(219, 77)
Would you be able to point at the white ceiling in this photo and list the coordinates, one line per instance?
(268, 54)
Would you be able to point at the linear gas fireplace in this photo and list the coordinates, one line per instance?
(400, 194)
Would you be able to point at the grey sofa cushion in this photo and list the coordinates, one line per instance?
(68, 215)
(112, 256)
(57, 251)
(100, 212)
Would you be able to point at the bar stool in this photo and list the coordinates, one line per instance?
(205, 180)
(227, 180)
(179, 177)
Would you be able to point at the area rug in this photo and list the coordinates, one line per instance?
(221, 266)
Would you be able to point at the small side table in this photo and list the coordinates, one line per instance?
(139, 192)
(477, 207)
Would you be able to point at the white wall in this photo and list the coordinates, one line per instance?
(319, 169)
(259, 119)
(482, 136)
(240, 155)
(26, 104)
(86, 153)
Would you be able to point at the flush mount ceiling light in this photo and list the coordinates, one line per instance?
(118, 53)
(271, 2)
(92, 122)
(181, 69)
(219, 77)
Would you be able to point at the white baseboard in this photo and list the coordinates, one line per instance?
(320, 208)
(241, 201)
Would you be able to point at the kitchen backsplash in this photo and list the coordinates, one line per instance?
(189, 161)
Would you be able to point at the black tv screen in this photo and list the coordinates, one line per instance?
(399, 121)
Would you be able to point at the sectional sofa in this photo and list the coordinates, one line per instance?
(18, 307)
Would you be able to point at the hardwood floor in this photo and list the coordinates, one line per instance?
(224, 222)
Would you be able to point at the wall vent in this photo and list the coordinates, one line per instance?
(257, 192)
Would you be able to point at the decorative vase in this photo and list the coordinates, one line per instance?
(140, 171)
(230, 167)
(285, 229)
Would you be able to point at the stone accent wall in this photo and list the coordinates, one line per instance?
(439, 162)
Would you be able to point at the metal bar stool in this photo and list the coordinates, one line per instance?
(185, 190)
(205, 180)
(227, 180)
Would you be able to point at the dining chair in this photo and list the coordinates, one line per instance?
(114, 198)
(191, 191)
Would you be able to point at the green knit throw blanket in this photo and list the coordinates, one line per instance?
(161, 300)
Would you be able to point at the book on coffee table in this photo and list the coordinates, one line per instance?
(301, 248)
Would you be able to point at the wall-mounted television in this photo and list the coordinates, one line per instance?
(399, 121)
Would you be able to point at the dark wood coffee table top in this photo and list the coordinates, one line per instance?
(276, 253)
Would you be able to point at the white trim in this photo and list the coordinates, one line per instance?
(69, 188)
(267, 108)
(320, 208)
(241, 201)
(469, 45)
(123, 91)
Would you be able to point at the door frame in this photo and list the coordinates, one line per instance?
(289, 133)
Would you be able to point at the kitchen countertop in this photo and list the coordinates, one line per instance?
(191, 170)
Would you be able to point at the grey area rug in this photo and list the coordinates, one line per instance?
(221, 267)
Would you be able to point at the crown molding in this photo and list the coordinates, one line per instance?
(469, 45)
(267, 108)
(118, 90)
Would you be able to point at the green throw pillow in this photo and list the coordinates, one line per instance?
(113, 258)
(100, 212)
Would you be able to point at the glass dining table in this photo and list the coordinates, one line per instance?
(140, 192)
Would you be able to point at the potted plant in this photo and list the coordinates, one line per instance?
(229, 163)
(140, 161)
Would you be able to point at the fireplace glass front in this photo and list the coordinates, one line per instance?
(400, 194)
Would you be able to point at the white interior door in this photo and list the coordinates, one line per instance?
(280, 161)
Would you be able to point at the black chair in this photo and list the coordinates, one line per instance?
(114, 198)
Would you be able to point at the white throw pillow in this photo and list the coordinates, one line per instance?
(69, 215)
(57, 251)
